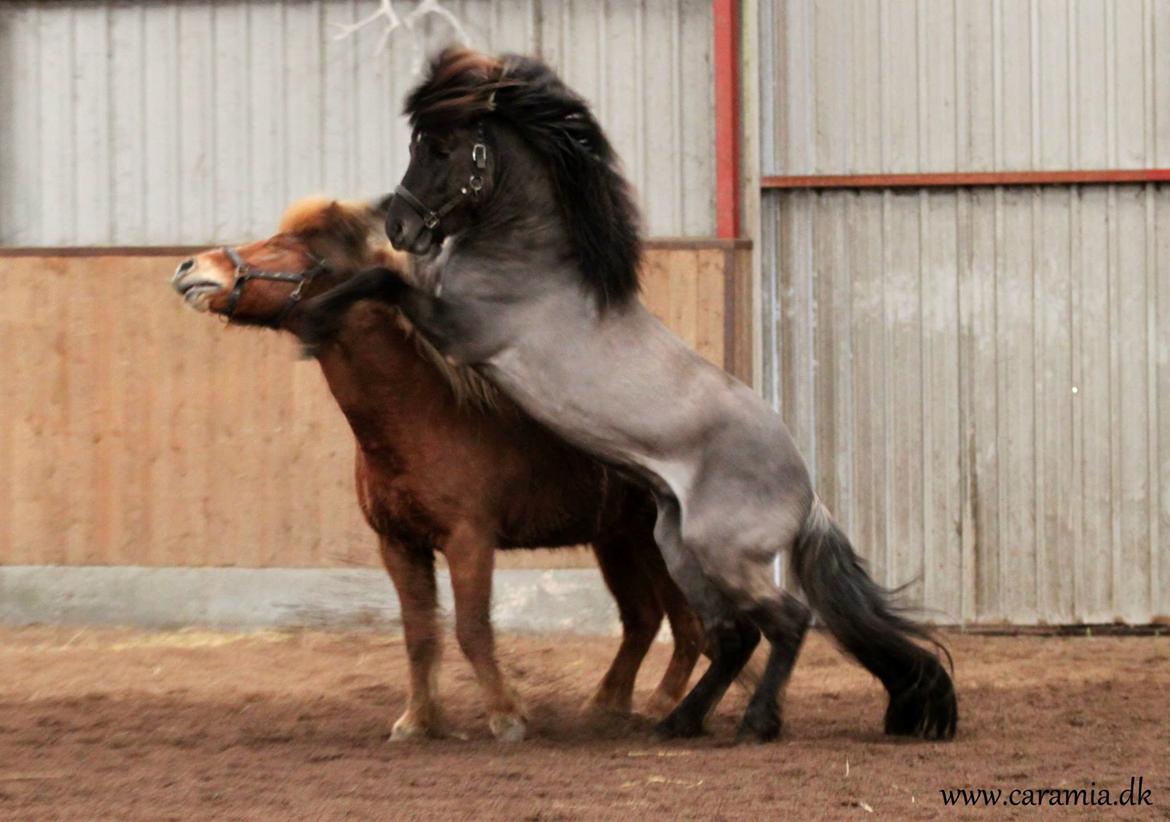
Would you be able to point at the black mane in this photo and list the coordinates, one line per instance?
(600, 216)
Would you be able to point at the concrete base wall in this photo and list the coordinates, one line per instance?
(573, 600)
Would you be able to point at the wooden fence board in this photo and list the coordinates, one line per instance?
(134, 431)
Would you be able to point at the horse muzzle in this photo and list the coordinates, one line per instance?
(407, 231)
(195, 287)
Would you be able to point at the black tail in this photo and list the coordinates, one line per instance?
(864, 619)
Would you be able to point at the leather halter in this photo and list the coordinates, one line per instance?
(245, 272)
(432, 218)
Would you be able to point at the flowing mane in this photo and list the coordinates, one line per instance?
(359, 241)
(462, 86)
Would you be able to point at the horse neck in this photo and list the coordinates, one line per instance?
(378, 378)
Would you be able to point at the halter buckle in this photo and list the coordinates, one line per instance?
(479, 155)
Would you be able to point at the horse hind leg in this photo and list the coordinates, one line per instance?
(686, 631)
(784, 621)
(730, 638)
(641, 614)
(743, 577)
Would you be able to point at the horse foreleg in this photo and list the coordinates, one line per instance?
(470, 556)
(641, 616)
(319, 319)
(413, 574)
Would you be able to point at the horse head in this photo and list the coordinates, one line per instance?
(320, 243)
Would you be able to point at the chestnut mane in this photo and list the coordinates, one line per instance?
(356, 240)
(463, 86)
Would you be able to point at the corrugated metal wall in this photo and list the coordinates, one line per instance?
(981, 378)
(854, 86)
(196, 122)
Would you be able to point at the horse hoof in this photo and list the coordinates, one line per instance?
(679, 726)
(660, 705)
(409, 727)
(508, 727)
(760, 726)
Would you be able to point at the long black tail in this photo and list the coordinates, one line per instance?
(869, 625)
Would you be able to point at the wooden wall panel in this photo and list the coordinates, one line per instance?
(134, 431)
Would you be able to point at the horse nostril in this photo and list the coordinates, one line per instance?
(185, 266)
(398, 229)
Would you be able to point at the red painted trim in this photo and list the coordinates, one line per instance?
(969, 179)
(727, 117)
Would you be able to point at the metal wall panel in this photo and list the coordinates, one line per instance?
(196, 122)
(980, 377)
(981, 382)
(903, 86)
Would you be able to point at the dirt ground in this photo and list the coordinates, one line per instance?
(118, 724)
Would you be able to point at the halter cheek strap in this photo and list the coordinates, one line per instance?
(245, 273)
(432, 218)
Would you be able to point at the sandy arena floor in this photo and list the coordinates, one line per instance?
(118, 724)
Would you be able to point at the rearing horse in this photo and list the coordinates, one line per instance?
(530, 247)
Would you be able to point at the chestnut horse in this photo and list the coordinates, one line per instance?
(444, 463)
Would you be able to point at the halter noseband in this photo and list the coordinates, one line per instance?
(246, 272)
(432, 218)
